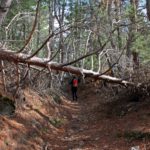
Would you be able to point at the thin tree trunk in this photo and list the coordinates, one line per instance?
(148, 8)
(117, 18)
(132, 27)
(4, 8)
(51, 27)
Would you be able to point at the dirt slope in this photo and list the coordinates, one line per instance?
(89, 124)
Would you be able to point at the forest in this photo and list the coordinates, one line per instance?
(45, 45)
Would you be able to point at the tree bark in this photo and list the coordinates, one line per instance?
(21, 58)
(148, 8)
(132, 27)
(4, 8)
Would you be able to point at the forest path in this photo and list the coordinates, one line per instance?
(80, 132)
(94, 122)
(88, 127)
(91, 127)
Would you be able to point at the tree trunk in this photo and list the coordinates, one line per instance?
(132, 27)
(4, 8)
(117, 19)
(148, 8)
(21, 58)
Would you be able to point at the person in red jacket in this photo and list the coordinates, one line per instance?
(74, 86)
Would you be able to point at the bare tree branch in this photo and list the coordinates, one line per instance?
(89, 54)
(50, 36)
(33, 28)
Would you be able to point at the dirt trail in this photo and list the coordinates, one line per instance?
(91, 128)
(87, 124)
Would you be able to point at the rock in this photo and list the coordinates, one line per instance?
(81, 129)
(96, 139)
(132, 109)
(135, 148)
(130, 105)
(123, 113)
(106, 147)
(81, 143)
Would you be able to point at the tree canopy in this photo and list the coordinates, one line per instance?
(111, 35)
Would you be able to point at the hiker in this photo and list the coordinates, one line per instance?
(74, 86)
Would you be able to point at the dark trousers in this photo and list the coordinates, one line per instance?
(74, 93)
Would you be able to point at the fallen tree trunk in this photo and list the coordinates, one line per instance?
(21, 58)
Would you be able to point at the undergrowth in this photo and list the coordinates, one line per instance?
(134, 135)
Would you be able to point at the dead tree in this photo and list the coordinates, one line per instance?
(35, 61)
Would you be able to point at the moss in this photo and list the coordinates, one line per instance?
(56, 122)
(56, 97)
(134, 135)
(5, 98)
(7, 106)
(0, 95)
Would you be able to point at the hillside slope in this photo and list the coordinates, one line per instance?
(97, 121)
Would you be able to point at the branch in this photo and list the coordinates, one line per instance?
(114, 63)
(50, 36)
(89, 54)
(33, 28)
(16, 17)
(54, 34)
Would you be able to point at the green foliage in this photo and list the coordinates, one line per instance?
(56, 122)
(7, 106)
(56, 97)
(141, 45)
(96, 19)
(136, 135)
(131, 136)
(6, 142)
(130, 11)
